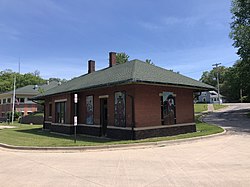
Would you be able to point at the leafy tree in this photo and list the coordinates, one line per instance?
(121, 58)
(209, 77)
(231, 80)
(7, 78)
(240, 28)
(240, 33)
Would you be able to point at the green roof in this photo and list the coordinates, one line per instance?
(31, 90)
(131, 72)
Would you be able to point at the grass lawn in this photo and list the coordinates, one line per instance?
(33, 135)
(198, 108)
(37, 114)
(218, 106)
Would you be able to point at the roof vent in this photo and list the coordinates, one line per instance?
(35, 87)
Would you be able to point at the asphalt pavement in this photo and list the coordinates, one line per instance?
(218, 161)
(233, 118)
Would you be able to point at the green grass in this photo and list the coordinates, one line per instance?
(33, 135)
(218, 106)
(198, 108)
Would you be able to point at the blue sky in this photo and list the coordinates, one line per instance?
(59, 37)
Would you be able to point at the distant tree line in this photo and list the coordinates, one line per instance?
(7, 79)
(230, 80)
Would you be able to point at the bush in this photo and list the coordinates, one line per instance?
(17, 115)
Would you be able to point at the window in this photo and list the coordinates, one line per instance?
(0, 101)
(120, 109)
(4, 101)
(60, 112)
(9, 100)
(50, 109)
(20, 100)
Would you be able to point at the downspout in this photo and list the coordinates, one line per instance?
(44, 111)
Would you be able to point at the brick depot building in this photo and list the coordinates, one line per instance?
(133, 100)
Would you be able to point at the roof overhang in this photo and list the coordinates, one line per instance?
(194, 88)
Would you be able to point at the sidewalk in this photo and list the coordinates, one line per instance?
(210, 107)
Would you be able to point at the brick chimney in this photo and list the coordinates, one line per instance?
(91, 66)
(112, 59)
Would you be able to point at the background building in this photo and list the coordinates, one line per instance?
(22, 102)
(210, 97)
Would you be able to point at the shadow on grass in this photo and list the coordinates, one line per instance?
(83, 138)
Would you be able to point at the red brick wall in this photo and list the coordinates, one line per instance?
(4, 108)
(111, 100)
(69, 105)
(25, 107)
(82, 105)
(147, 104)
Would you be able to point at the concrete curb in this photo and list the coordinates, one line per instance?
(111, 147)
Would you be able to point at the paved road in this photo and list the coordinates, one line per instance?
(234, 118)
(218, 161)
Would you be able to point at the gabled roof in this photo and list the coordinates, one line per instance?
(30, 89)
(131, 72)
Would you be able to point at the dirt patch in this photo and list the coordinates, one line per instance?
(6, 127)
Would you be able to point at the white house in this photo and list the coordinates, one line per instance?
(210, 97)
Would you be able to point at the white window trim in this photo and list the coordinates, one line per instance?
(161, 94)
(103, 96)
(60, 100)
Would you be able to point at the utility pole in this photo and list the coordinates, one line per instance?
(218, 83)
(241, 98)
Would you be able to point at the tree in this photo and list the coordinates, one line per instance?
(121, 58)
(231, 79)
(209, 77)
(240, 28)
(7, 78)
(240, 33)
